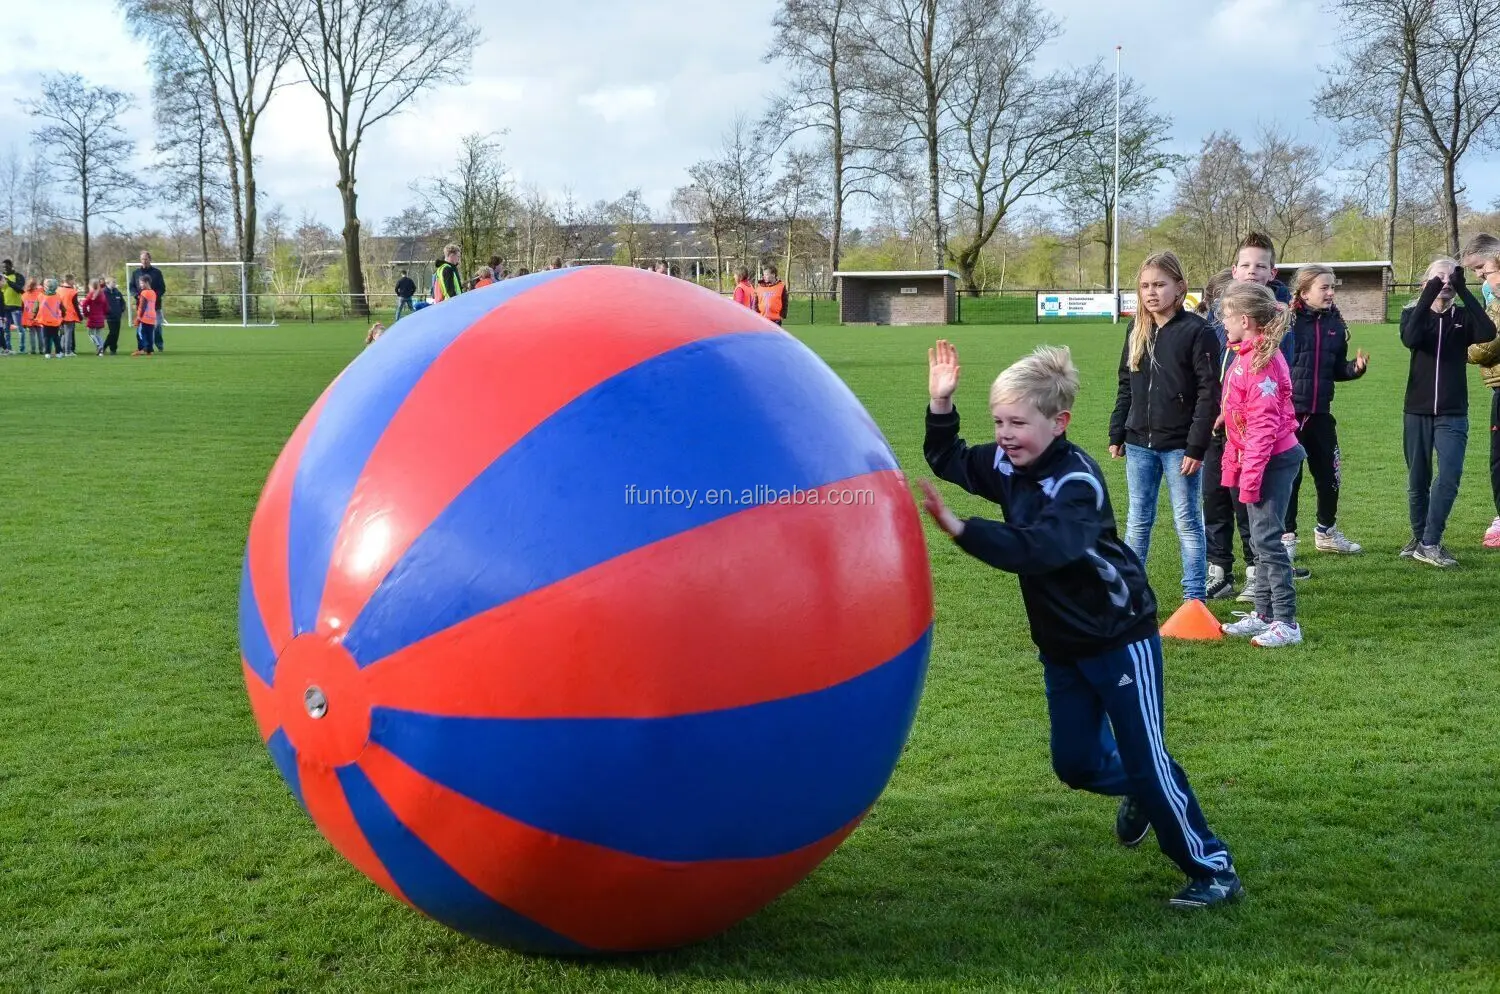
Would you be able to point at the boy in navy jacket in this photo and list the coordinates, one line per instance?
(1092, 613)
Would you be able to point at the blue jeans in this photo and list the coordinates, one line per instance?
(1429, 503)
(402, 304)
(1108, 737)
(1144, 470)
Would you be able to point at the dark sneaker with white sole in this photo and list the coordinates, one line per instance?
(1131, 823)
(1434, 555)
(1301, 573)
(1410, 548)
(1221, 888)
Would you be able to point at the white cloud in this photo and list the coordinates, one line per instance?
(616, 104)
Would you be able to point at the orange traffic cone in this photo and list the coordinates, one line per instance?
(1193, 621)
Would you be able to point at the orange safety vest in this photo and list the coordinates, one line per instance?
(50, 311)
(744, 294)
(69, 297)
(146, 309)
(30, 302)
(769, 300)
(484, 282)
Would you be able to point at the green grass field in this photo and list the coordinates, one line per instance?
(147, 843)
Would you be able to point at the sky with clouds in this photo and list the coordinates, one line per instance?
(615, 94)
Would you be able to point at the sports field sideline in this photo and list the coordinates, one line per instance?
(147, 842)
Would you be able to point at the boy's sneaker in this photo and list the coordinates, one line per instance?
(1492, 535)
(1221, 888)
(1299, 573)
(1409, 550)
(1131, 823)
(1220, 584)
(1434, 555)
(1249, 625)
(1247, 595)
(1333, 540)
(1279, 634)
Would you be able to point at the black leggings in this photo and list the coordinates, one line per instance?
(1221, 512)
(1319, 436)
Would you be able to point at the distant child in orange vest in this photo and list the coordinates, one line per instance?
(68, 291)
(744, 290)
(145, 318)
(31, 301)
(485, 277)
(50, 317)
(770, 296)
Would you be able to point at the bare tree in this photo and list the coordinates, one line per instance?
(366, 60)
(796, 198)
(913, 53)
(709, 201)
(1214, 198)
(1358, 97)
(1449, 53)
(241, 53)
(84, 147)
(1013, 130)
(1288, 200)
(473, 199)
(11, 194)
(1087, 184)
(819, 40)
(191, 146)
(630, 216)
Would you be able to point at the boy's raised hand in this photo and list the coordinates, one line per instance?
(1361, 361)
(942, 375)
(932, 503)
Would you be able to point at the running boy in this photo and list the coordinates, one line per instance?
(1437, 403)
(1092, 613)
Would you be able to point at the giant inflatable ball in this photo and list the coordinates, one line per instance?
(586, 612)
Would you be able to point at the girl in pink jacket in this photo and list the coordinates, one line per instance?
(1261, 454)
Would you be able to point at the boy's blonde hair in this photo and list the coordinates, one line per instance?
(1260, 305)
(1143, 330)
(1046, 379)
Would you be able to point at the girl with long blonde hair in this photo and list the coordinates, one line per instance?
(1164, 414)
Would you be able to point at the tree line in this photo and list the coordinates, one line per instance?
(929, 121)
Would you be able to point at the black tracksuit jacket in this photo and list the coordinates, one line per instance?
(1086, 593)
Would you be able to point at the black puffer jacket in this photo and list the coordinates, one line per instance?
(1172, 400)
(1320, 358)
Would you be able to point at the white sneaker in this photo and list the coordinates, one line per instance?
(1249, 625)
(1277, 635)
(1333, 540)
(1247, 595)
(1289, 539)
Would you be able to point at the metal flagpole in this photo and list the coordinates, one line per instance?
(1114, 263)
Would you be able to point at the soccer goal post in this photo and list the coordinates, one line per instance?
(204, 295)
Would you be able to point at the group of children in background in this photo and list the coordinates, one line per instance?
(1242, 392)
(42, 315)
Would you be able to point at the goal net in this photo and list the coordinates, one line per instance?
(205, 295)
